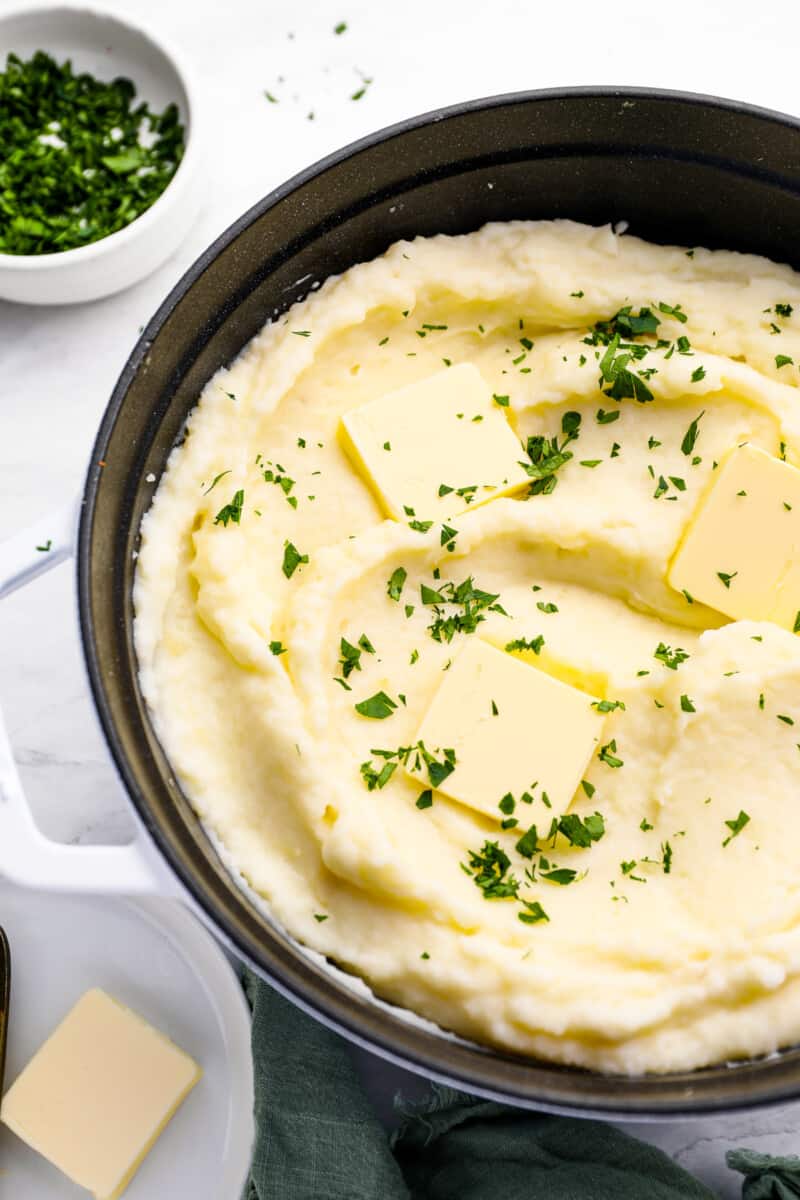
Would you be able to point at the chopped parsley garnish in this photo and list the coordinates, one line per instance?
(82, 157)
(669, 657)
(690, 437)
(231, 512)
(547, 455)
(48, 545)
(687, 705)
(215, 481)
(726, 578)
(605, 418)
(394, 587)
(277, 648)
(546, 608)
(351, 655)
(340, 28)
(425, 799)
(528, 844)
(377, 707)
(532, 912)
(736, 826)
(673, 310)
(786, 720)
(292, 559)
(320, 917)
(624, 384)
(698, 373)
(503, 401)
(457, 608)
(420, 526)
(582, 833)
(784, 310)
(783, 360)
(608, 754)
(490, 871)
(645, 825)
(607, 706)
(534, 644)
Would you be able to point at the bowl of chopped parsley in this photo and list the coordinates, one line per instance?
(99, 155)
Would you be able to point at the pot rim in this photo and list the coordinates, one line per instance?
(335, 1010)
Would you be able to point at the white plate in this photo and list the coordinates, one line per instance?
(157, 958)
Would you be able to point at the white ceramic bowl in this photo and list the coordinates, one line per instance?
(107, 47)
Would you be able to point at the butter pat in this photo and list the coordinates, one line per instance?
(444, 435)
(740, 553)
(511, 726)
(96, 1096)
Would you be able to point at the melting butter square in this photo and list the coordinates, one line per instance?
(96, 1096)
(543, 730)
(412, 441)
(740, 553)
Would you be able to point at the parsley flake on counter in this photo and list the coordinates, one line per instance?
(292, 559)
(736, 826)
(231, 512)
(377, 707)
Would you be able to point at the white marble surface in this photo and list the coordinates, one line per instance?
(57, 365)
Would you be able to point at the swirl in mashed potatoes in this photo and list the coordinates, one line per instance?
(273, 594)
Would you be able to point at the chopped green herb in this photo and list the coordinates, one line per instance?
(669, 657)
(726, 578)
(687, 705)
(608, 754)
(425, 799)
(81, 157)
(533, 911)
(534, 644)
(736, 826)
(698, 373)
(607, 706)
(277, 648)
(605, 418)
(394, 587)
(292, 559)
(231, 512)
(448, 599)
(490, 871)
(783, 360)
(377, 707)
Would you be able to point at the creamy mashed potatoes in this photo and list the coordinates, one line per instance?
(676, 940)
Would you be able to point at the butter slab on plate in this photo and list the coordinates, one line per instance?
(153, 956)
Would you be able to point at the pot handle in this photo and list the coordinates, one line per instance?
(28, 857)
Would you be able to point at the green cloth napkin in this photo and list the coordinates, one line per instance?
(317, 1137)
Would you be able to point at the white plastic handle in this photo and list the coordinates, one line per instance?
(26, 856)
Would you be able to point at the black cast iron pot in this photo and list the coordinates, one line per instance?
(678, 168)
